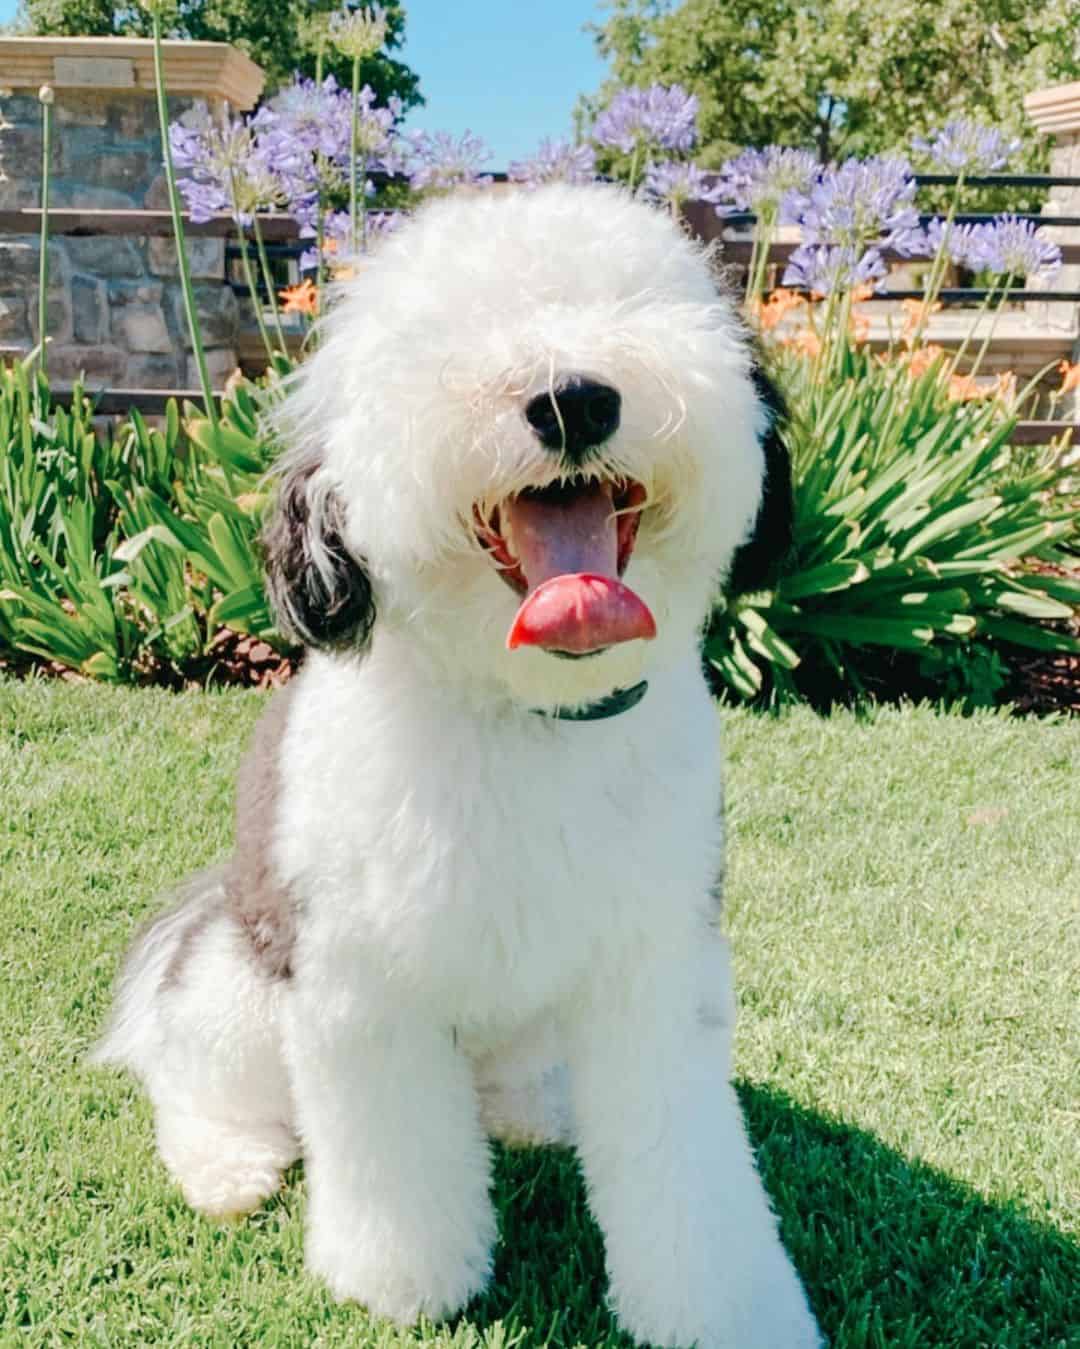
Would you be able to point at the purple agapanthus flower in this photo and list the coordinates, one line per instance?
(375, 126)
(774, 181)
(863, 201)
(306, 132)
(958, 241)
(227, 169)
(675, 182)
(1013, 247)
(964, 146)
(555, 162)
(437, 160)
(337, 235)
(306, 120)
(664, 116)
(824, 268)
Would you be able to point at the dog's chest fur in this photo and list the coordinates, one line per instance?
(486, 861)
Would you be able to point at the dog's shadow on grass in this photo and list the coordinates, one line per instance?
(891, 1251)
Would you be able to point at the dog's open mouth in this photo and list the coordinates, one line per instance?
(564, 549)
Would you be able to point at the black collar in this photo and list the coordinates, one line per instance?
(621, 700)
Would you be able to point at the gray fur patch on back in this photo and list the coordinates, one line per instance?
(198, 901)
(261, 906)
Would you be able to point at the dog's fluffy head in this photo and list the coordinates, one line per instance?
(407, 435)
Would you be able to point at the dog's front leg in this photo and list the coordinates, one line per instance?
(693, 1251)
(398, 1211)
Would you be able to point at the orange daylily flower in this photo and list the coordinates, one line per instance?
(806, 342)
(1070, 376)
(915, 313)
(859, 327)
(967, 389)
(1004, 386)
(301, 299)
(780, 303)
(919, 362)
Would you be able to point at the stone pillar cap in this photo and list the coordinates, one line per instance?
(1055, 110)
(206, 69)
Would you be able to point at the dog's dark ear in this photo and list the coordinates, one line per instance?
(320, 594)
(756, 562)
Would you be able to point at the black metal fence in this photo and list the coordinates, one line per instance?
(284, 246)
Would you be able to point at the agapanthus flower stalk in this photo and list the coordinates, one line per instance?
(1008, 245)
(229, 170)
(774, 183)
(313, 30)
(673, 183)
(268, 278)
(46, 98)
(555, 162)
(358, 33)
(662, 116)
(967, 147)
(639, 122)
(323, 142)
(439, 162)
(190, 311)
(862, 203)
(832, 268)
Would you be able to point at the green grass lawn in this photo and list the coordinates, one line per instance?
(904, 903)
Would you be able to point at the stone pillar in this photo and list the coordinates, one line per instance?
(115, 311)
(1056, 112)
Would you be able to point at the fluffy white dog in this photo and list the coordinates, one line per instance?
(474, 887)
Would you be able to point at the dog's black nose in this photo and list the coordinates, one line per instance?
(580, 416)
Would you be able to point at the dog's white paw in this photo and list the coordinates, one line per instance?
(763, 1308)
(396, 1283)
(793, 1328)
(225, 1171)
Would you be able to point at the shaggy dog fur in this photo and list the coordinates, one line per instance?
(459, 906)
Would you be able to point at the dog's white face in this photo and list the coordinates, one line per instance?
(522, 388)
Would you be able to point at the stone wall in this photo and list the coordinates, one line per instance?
(115, 309)
(1056, 112)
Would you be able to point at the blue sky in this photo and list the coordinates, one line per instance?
(506, 70)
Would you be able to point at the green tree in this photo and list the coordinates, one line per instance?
(283, 36)
(843, 77)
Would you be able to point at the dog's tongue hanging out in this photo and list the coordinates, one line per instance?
(571, 547)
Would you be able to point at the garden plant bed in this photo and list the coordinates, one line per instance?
(907, 962)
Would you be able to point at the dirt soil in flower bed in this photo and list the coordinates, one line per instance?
(233, 660)
(1038, 683)
(1048, 683)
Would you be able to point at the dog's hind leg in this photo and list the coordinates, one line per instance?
(198, 1022)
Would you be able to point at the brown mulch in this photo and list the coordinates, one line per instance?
(232, 660)
(1048, 683)
(248, 662)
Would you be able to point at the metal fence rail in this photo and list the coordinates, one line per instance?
(281, 236)
(153, 402)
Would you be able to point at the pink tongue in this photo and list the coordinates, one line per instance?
(568, 550)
